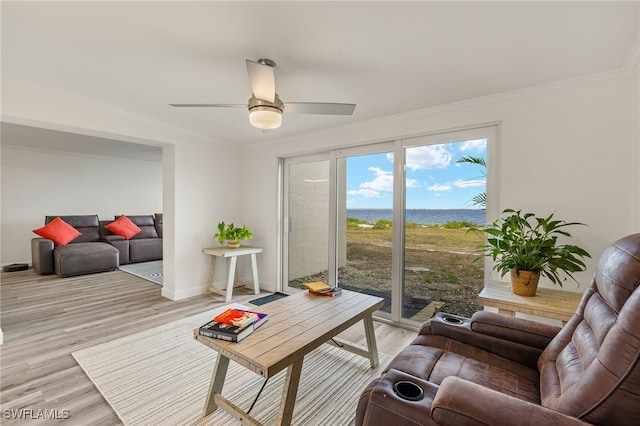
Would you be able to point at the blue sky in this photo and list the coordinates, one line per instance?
(434, 179)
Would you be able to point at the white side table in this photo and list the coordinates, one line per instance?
(232, 254)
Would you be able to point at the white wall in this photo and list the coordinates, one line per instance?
(37, 183)
(198, 190)
(567, 148)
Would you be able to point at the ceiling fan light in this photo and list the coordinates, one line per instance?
(265, 117)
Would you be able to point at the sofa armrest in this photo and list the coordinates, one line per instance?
(42, 256)
(460, 402)
(526, 332)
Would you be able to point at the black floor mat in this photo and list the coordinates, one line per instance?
(266, 299)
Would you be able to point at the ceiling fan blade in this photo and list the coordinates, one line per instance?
(319, 108)
(262, 79)
(209, 105)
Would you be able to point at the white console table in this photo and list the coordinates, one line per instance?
(232, 254)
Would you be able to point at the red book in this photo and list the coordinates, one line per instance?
(238, 317)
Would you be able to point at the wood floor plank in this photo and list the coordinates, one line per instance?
(45, 318)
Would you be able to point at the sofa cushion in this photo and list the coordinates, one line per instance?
(124, 227)
(87, 224)
(145, 249)
(84, 258)
(147, 225)
(58, 231)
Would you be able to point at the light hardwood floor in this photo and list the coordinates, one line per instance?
(45, 318)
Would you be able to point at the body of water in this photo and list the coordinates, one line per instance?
(422, 216)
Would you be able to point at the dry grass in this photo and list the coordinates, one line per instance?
(439, 266)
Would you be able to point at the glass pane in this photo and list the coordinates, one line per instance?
(308, 230)
(365, 206)
(444, 189)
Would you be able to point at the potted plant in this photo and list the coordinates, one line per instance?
(232, 234)
(527, 246)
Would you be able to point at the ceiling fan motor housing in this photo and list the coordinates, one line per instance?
(258, 103)
(265, 115)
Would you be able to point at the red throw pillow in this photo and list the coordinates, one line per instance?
(59, 231)
(124, 227)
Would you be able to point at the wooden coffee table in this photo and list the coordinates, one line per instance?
(297, 325)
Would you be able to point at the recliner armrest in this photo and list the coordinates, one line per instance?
(519, 330)
(460, 402)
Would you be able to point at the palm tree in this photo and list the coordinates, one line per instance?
(480, 199)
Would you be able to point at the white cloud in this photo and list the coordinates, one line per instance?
(352, 192)
(469, 183)
(412, 183)
(437, 187)
(428, 157)
(478, 145)
(382, 182)
(368, 193)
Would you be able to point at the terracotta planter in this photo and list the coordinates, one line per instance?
(233, 244)
(524, 283)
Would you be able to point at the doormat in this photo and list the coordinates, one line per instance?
(266, 299)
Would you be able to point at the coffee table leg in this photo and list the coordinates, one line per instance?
(372, 346)
(217, 380)
(289, 393)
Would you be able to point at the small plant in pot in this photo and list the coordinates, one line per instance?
(232, 234)
(527, 246)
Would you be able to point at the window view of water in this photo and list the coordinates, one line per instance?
(422, 216)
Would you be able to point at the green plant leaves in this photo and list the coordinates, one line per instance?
(231, 233)
(524, 242)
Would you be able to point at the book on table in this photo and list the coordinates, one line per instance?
(239, 317)
(232, 333)
(318, 287)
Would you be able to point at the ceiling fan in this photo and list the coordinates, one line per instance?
(266, 107)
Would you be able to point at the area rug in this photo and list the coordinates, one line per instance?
(266, 299)
(151, 271)
(161, 376)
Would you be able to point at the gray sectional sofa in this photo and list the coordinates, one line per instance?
(97, 249)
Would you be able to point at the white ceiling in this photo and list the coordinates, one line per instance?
(387, 57)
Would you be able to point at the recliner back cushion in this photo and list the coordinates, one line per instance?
(87, 224)
(591, 368)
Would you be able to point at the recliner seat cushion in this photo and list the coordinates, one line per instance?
(437, 357)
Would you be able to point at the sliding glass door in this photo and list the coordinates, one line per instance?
(391, 220)
(365, 221)
(306, 221)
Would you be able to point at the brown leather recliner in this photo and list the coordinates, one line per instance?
(498, 370)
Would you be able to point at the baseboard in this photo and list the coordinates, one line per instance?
(182, 294)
